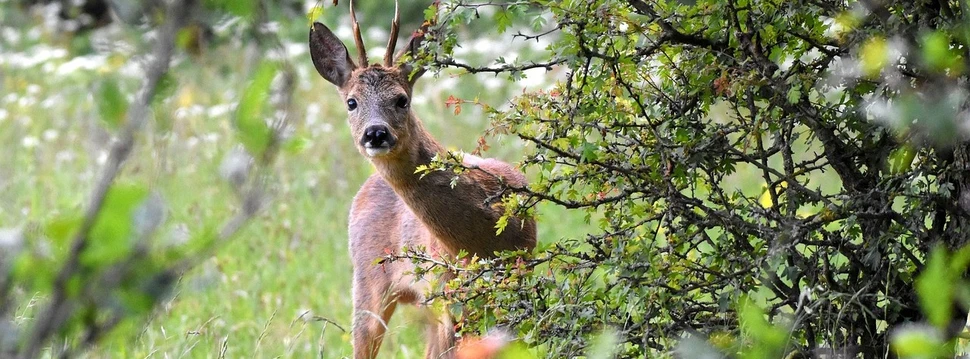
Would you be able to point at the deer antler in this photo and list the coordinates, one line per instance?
(395, 25)
(361, 52)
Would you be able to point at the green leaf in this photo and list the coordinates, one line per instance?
(538, 22)
(960, 260)
(503, 19)
(241, 8)
(937, 52)
(315, 13)
(165, 88)
(184, 38)
(431, 12)
(112, 103)
(500, 225)
(589, 152)
(251, 127)
(935, 288)
(60, 230)
(296, 145)
(874, 56)
(35, 272)
(917, 342)
(516, 350)
(794, 94)
(767, 341)
(111, 236)
(901, 159)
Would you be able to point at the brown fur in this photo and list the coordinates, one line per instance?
(395, 209)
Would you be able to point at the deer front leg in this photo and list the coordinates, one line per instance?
(373, 307)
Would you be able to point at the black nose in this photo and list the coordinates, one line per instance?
(376, 136)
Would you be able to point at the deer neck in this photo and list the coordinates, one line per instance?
(430, 196)
(453, 211)
(398, 170)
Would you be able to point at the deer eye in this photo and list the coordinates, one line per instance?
(402, 102)
(351, 104)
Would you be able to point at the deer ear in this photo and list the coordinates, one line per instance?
(329, 55)
(408, 53)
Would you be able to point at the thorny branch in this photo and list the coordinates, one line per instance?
(548, 66)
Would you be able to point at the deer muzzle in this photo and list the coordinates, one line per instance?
(377, 140)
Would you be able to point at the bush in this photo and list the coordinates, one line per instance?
(797, 159)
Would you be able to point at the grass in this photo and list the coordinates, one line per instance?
(282, 286)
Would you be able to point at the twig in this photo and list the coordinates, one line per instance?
(548, 66)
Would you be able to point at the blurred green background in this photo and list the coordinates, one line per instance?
(282, 286)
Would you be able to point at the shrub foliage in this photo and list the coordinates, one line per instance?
(801, 157)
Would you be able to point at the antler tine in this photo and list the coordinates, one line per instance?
(361, 52)
(395, 26)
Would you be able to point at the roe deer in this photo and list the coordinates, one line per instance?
(396, 208)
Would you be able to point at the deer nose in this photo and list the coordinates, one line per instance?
(377, 136)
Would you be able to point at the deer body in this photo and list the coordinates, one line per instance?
(397, 209)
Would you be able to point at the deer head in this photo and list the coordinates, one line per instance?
(377, 97)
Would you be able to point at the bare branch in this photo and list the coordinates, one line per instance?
(548, 66)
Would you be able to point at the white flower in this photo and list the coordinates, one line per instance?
(312, 112)
(10, 35)
(82, 63)
(235, 167)
(11, 240)
(219, 110)
(50, 135)
(29, 142)
(178, 235)
(64, 156)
